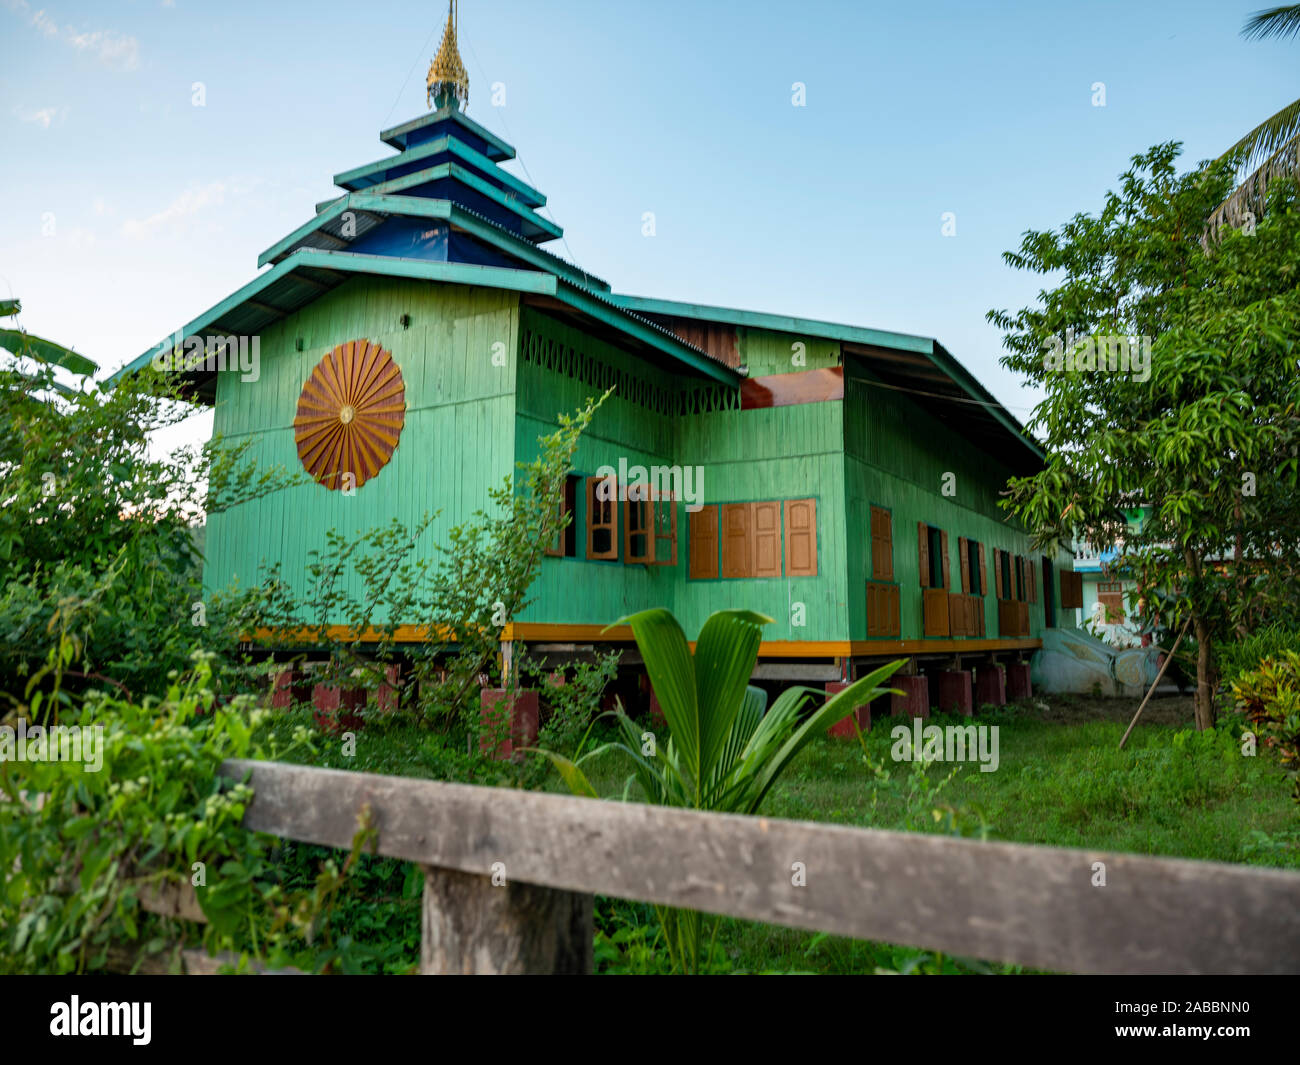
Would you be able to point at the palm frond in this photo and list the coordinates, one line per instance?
(1280, 21)
(1251, 195)
(1265, 140)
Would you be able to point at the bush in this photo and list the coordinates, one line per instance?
(1240, 656)
(1269, 696)
(144, 810)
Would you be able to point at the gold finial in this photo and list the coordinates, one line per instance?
(447, 80)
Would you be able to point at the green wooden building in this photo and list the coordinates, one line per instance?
(841, 479)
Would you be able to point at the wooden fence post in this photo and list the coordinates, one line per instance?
(472, 926)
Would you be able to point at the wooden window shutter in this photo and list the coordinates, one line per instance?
(737, 542)
(984, 574)
(895, 624)
(638, 532)
(963, 556)
(882, 544)
(1033, 581)
(943, 550)
(1111, 597)
(602, 518)
(766, 524)
(801, 538)
(703, 545)
(1071, 589)
(923, 552)
(997, 573)
(556, 549)
(665, 531)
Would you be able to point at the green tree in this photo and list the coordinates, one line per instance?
(1203, 430)
(98, 532)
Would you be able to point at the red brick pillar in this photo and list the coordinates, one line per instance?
(497, 705)
(1019, 686)
(915, 700)
(861, 714)
(386, 696)
(282, 689)
(955, 692)
(990, 686)
(335, 708)
(656, 711)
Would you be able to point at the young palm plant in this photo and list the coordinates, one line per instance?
(725, 748)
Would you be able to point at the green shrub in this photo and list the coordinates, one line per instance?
(1270, 698)
(1244, 655)
(83, 841)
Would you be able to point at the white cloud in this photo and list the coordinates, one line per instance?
(190, 202)
(116, 50)
(41, 116)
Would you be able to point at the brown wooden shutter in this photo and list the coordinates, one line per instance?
(765, 521)
(664, 526)
(602, 519)
(963, 556)
(882, 544)
(737, 540)
(638, 530)
(997, 573)
(1111, 597)
(943, 550)
(557, 548)
(1071, 589)
(801, 538)
(984, 575)
(923, 552)
(1033, 581)
(895, 624)
(703, 545)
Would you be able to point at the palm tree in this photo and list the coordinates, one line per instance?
(726, 747)
(1270, 150)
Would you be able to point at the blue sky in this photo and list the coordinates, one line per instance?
(129, 211)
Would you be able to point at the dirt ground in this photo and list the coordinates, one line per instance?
(1177, 710)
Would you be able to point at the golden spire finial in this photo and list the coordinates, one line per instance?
(447, 78)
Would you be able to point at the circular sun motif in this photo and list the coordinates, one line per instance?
(350, 415)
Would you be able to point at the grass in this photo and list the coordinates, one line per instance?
(1061, 780)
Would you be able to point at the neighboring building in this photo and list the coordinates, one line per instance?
(416, 339)
(1107, 610)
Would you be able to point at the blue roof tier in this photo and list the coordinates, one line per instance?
(439, 123)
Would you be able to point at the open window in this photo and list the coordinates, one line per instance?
(638, 529)
(566, 540)
(602, 518)
(665, 531)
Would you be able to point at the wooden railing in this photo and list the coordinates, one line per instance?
(510, 875)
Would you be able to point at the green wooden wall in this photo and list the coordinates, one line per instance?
(472, 416)
(764, 351)
(573, 590)
(457, 439)
(896, 455)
